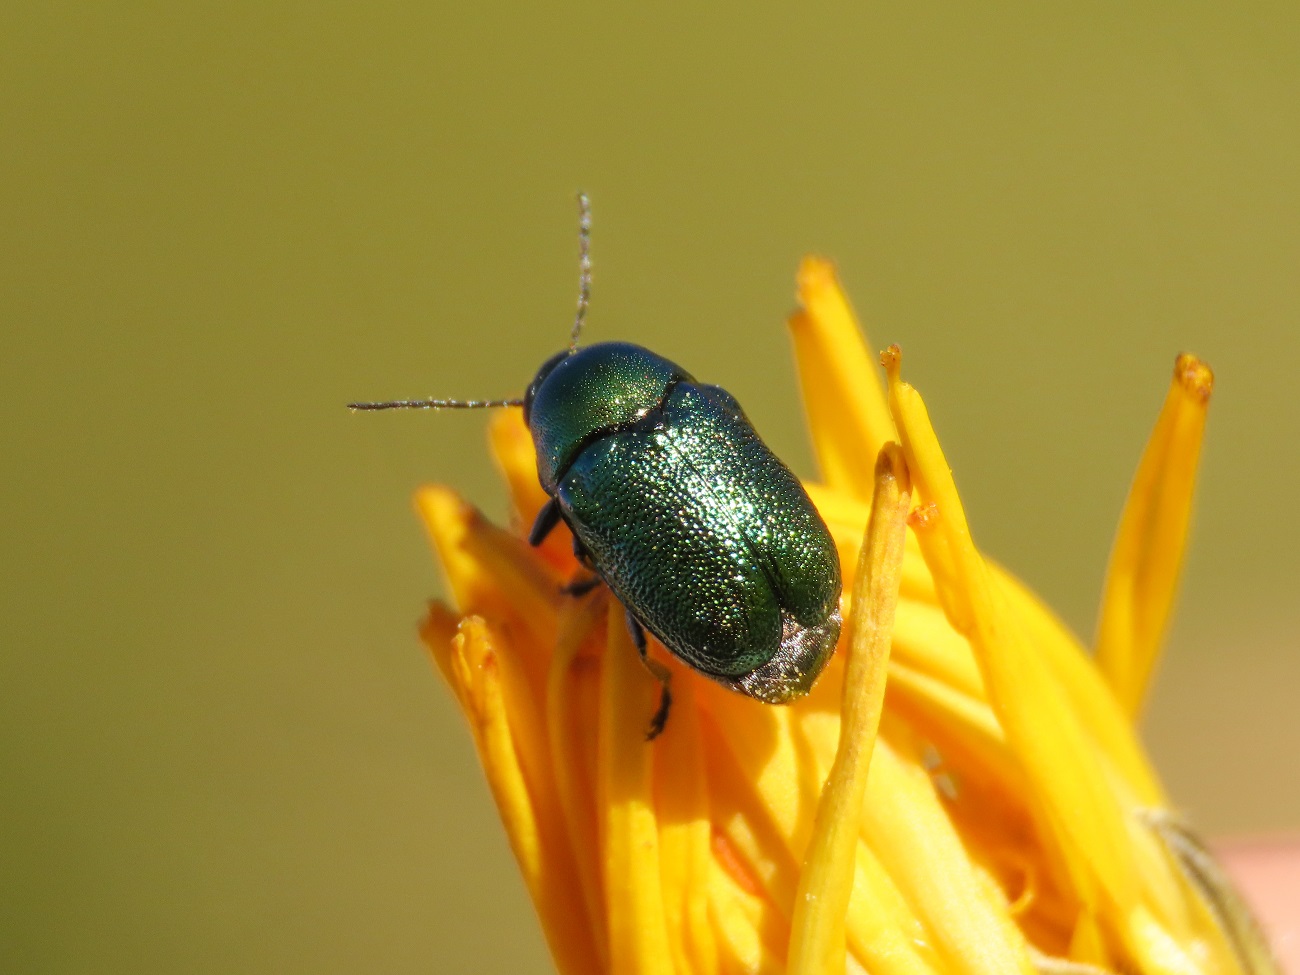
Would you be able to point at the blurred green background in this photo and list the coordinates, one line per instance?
(221, 747)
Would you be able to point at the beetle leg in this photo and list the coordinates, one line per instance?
(545, 523)
(580, 587)
(658, 671)
(638, 634)
(660, 717)
(580, 552)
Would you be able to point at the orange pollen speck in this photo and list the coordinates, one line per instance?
(924, 516)
(1194, 376)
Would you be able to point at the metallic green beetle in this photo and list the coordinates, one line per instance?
(703, 535)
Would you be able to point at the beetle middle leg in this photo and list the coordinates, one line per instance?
(658, 671)
(580, 587)
(545, 522)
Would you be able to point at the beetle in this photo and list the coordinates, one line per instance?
(703, 535)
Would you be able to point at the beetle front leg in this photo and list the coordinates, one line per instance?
(545, 522)
(658, 671)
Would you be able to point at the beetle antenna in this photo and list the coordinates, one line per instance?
(437, 404)
(584, 269)
(584, 299)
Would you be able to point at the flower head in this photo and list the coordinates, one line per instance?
(1010, 821)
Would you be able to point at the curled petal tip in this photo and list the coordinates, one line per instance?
(892, 360)
(1194, 375)
(891, 463)
(815, 272)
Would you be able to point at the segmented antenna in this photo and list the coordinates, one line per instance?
(584, 299)
(584, 269)
(437, 404)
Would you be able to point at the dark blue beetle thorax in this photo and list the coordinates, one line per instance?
(597, 390)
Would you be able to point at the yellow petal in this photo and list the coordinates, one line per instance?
(766, 768)
(844, 516)
(437, 630)
(572, 692)
(842, 395)
(884, 936)
(536, 837)
(961, 725)
(1160, 953)
(492, 572)
(817, 930)
(685, 834)
(1148, 555)
(1087, 690)
(757, 789)
(925, 641)
(750, 933)
(638, 936)
(903, 822)
(1070, 791)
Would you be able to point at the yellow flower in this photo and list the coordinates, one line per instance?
(1010, 821)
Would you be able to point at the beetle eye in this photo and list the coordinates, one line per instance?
(540, 378)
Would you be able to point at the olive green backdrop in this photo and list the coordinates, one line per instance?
(221, 748)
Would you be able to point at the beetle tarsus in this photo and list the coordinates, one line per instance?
(545, 523)
(661, 715)
(658, 671)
